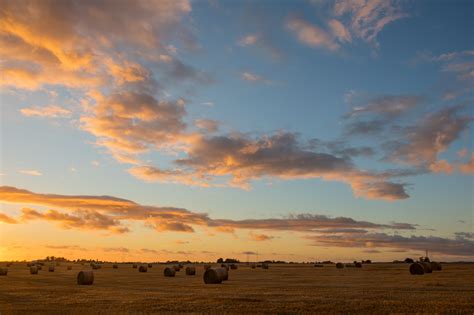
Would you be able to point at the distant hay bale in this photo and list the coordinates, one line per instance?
(358, 265)
(33, 270)
(253, 266)
(169, 272)
(427, 267)
(233, 266)
(259, 266)
(349, 265)
(39, 267)
(135, 266)
(215, 275)
(180, 266)
(3, 271)
(436, 266)
(207, 267)
(115, 266)
(95, 266)
(85, 277)
(190, 271)
(176, 268)
(9, 264)
(339, 265)
(150, 266)
(142, 269)
(265, 266)
(318, 265)
(51, 268)
(225, 266)
(69, 267)
(417, 269)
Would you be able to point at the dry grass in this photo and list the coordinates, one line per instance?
(376, 288)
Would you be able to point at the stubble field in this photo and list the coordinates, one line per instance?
(289, 288)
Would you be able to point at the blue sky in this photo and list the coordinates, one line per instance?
(242, 110)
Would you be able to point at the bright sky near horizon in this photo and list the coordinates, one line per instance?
(175, 129)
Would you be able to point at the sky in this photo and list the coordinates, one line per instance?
(299, 130)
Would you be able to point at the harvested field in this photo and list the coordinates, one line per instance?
(375, 288)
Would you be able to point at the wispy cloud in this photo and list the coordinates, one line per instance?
(50, 111)
(311, 35)
(30, 172)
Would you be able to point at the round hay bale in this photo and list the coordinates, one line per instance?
(176, 268)
(318, 265)
(436, 266)
(339, 265)
(265, 266)
(95, 266)
(142, 269)
(135, 266)
(39, 267)
(207, 267)
(417, 269)
(69, 267)
(150, 266)
(358, 265)
(3, 271)
(233, 266)
(215, 275)
(349, 265)
(180, 266)
(225, 266)
(427, 267)
(169, 272)
(115, 266)
(253, 266)
(85, 277)
(190, 271)
(33, 270)
(51, 268)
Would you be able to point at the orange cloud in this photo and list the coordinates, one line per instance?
(441, 166)
(311, 35)
(51, 111)
(467, 168)
(6, 219)
(261, 237)
(111, 214)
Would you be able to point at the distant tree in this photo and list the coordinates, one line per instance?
(231, 261)
(409, 260)
(220, 260)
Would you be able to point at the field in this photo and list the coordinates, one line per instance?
(375, 288)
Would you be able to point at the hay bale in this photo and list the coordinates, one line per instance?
(339, 265)
(115, 266)
(180, 266)
(417, 269)
(169, 272)
(135, 266)
(225, 266)
(207, 267)
(142, 269)
(69, 267)
(33, 270)
(233, 266)
(265, 266)
(51, 268)
(427, 267)
(318, 265)
(436, 266)
(253, 266)
(39, 267)
(3, 271)
(190, 271)
(85, 277)
(150, 266)
(215, 275)
(358, 265)
(95, 266)
(349, 265)
(176, 268)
